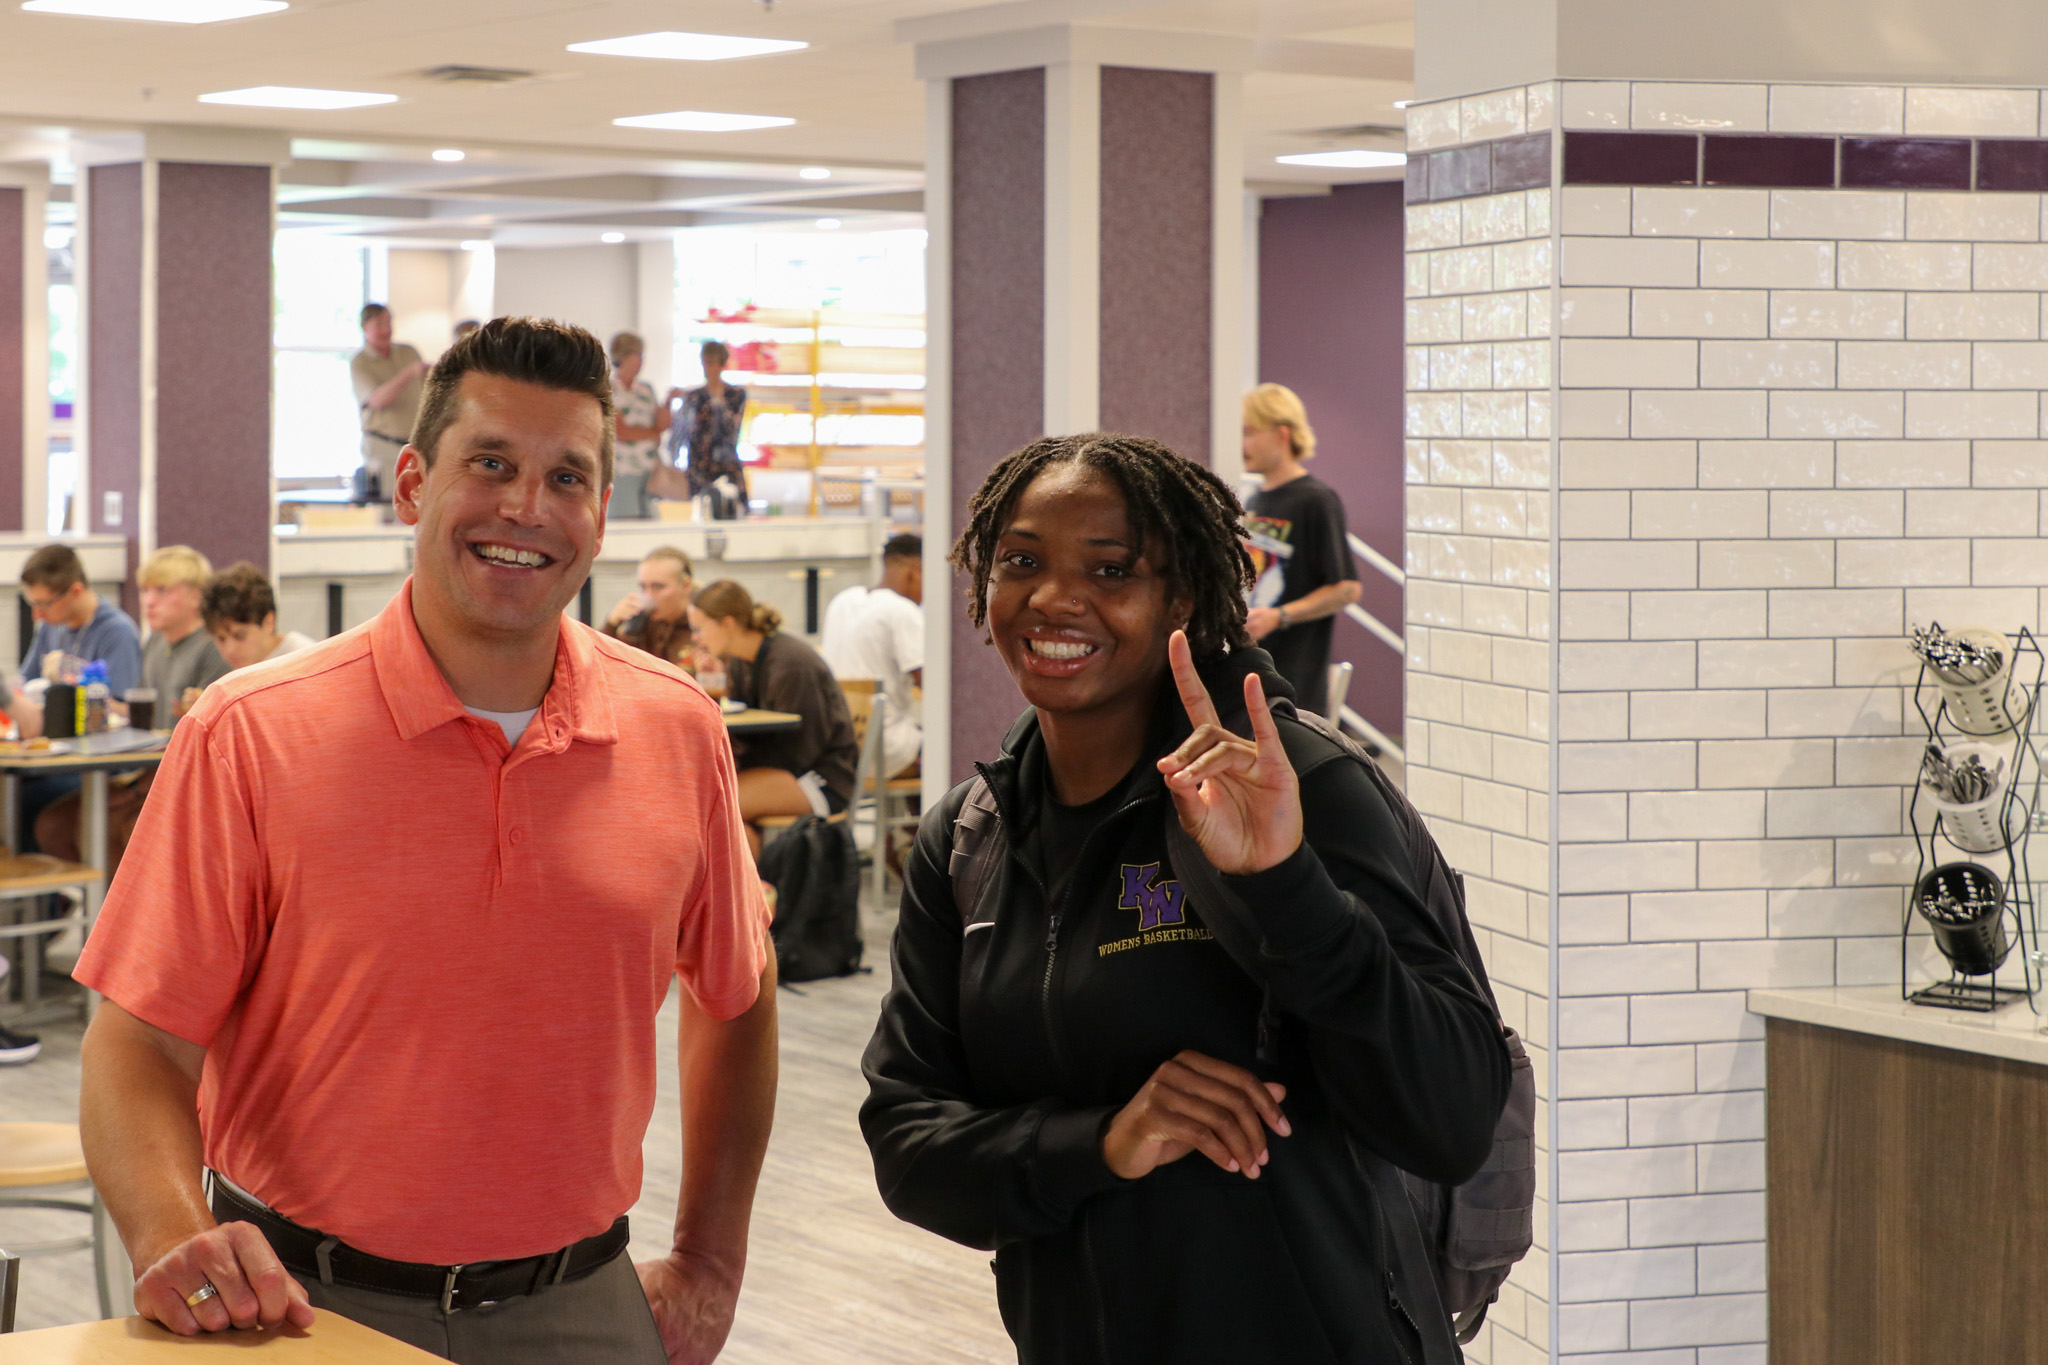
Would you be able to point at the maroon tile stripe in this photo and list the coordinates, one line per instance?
(1748, 160)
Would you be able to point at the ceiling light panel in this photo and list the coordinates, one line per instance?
(1358, 160)
(687, 47)
(296, 97)
(159, 11)
(449, 154)
(698, 121)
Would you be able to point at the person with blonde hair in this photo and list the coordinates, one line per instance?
(642, 422)
(179, 659)
(1300, 547)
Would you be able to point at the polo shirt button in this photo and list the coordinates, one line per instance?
(515, 836)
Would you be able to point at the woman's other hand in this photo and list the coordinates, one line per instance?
(1195, 1103)
(1238, 799)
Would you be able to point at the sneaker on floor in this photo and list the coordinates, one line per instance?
(17, 1048)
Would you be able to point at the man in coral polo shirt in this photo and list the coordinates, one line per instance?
(387, 948)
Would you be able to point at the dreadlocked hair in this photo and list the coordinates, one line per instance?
(1185, 519)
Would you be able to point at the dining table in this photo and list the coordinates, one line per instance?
(331, 1340)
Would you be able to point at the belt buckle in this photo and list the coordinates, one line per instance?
(448, 1290)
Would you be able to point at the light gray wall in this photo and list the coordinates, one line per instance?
(597, 287)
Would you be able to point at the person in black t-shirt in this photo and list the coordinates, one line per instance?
(1299, 545)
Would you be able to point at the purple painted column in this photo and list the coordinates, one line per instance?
(16, 233)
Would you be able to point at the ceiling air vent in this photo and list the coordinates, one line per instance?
(479, 75)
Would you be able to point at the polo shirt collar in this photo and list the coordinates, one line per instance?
(577, 706)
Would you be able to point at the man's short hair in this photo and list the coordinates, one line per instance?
(673, 556)
(554, 355)
(625, 344)
(904, 546)
(716, 350)
(173, 565)
(238, 595)
(56, 567)
(371, 310)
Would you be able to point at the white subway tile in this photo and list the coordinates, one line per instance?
(1524, 762)
(1767, 563)
(1697, 715)
(2000, 266)
(1824, 312)
(1811, 612)
(1593, 313)
(1766, 265)
(1592, 715)
(1869, 961)
(1592, 1073)
(1766, 863)
(1798, 512)
(1541, 99)
(1879, 861)
(1593, 104)
(1629, 564)
(2011, 365)
(1434, 414)
(1601, 1226)
(1461, 270)
(1629, 364)
(1495, 512)
(1663, 212)
(1629, 464)
(1990, 416)
(1638, 262)
(1594, 211)
(1874, 762)
(1709, 1017)
(1687, 1220)
(1964, 317)
(1836, 109)
(1843, 415)
(1596, 616)
(1592, 1123)
(1701, 105)
(2009, 562)
(1433, 604)
(1499, 113)
(1936, 111)
(1417, 367)
(1599, 514)
(1845, 215)
(1765, 663)
(1813, 712)
(1522, 265)
(1595, 817)
(1766, 464)
(1538, 211)
(1486, 317)
(1522, 663)
(1879, 661)
(1905, 265)
(2008, 607)
(1493, 414)
(1905, 365)
(1657, 1121)
(1727, 1166)
(1431, 227)
(1698, 815)
(1594, 414)
(1837, 811)
(1433, 509)
(1465, 558)
(1974, 217)
(1784, 963)
(1596, 1021)
(1767, 763)
(1902, 464)
(1521, 563)
(1521, 464)
(1970, 512)
(1460, 367)
(1701, 313)
(1684, 515)
(1692, 916)
(1740, 1268)
(1433, 125)
(1500, 711)
(1415, 274)
(1637, 969)
(1456, 749)
(1767, 365)
(1600, 1275)
(1581, 1327)
(1712, 1320)
(1903, 563)
(1521, 365)
(1726, 414)
(2009, 464)
(1433, 792)
(1834, 912)
(1627, 766)
(1625, 1173)
(1414, 454)
(1688, 615)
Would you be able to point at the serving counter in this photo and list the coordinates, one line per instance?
(1908, 1180)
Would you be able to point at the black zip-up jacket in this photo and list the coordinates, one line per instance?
(1016, 1030)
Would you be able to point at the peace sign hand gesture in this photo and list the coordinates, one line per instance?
(1238, 799)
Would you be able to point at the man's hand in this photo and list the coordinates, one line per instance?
(1195, 1103)
(255, 1290)
(629, 607)
(1262, 621)
(1237, 798)
(693, 1302)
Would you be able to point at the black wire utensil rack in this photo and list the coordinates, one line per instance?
(1973, 891)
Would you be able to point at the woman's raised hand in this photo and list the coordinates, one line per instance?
(1237, 798)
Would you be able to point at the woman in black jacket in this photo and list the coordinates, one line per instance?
(1069, 1070)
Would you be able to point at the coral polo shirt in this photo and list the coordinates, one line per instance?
(426, 968)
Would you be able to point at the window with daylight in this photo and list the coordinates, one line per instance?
(321, 285)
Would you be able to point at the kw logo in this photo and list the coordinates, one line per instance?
(1165, 903)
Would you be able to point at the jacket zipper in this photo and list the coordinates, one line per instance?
(1094, 1291)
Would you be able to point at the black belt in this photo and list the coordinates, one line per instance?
(331, 1260)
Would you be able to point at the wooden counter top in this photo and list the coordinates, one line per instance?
(331, 1340)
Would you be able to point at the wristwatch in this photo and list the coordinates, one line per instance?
(1285, 622)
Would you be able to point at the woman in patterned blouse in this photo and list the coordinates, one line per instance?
(708, 429)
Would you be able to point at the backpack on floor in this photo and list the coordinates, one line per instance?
(1475, 1232)
(815, 870)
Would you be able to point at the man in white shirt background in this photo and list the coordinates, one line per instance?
(878, 633)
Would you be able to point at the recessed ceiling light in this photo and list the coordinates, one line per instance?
(816, 173)
(296, 97)
(687, 47)
(697, 121)
(449, 154)
(159, 11)
(476, 244)
(1353, 160)
(828, 225)
(612, 238)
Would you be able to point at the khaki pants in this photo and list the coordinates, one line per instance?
(601, 1318)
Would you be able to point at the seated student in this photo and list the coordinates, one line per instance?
(805, 771)
(71, 619)
(241, 614)
(657, 617)
(880, 635)
(179, 659)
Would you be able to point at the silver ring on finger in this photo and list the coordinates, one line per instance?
(200, 1295)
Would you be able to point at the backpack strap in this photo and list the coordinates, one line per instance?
(976, 850)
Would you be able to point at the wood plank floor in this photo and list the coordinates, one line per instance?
(831, 1275)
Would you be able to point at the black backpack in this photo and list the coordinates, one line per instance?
(815, 871)
(1475, 1232)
